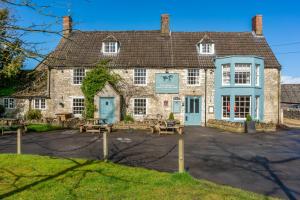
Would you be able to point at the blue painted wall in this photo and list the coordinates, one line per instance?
(232, 90)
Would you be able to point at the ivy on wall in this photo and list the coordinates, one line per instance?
(94, 82)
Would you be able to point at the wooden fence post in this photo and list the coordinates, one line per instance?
(19, 140)
(181, 154)
(105, 146)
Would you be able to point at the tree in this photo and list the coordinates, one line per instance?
(11, 56)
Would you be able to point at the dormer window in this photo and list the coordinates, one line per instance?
(207, 48)
(110, 47)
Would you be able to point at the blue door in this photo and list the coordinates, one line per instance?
(192, 110)
(107, 109)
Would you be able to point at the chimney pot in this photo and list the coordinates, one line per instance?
(165, 24)
(67, 26)
(257, 24)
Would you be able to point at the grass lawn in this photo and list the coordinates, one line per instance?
(42, 127)
(36, 177)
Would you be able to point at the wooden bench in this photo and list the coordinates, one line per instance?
(167, 130)
(91, 128)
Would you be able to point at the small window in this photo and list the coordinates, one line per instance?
(176, 105)
(226, 74)
(78, 76)
(242, 106)
(140, 76)
(110, 47)
(257, 67)
(242, 74)
(9, 103)
(207, 48)
(40, 104)
(140, 106)
(78, 106)
(193, 76)
(226, 107)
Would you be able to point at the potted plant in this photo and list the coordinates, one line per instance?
(250, 125)
(171, 120)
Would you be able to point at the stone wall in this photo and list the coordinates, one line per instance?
(271, 93)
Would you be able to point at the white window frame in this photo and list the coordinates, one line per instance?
(79, 97)
(11, 103)
(78, 76)
(133, 105)
(227, 65)
(39, 100)
(209, 46)
(146, 77)
(257, 77)
(250, 106)
(110, 45)
(226, 106)
(250, 76)
(257, 102)
(197, 77)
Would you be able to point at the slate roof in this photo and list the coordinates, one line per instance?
(290, 93)
(151, 49)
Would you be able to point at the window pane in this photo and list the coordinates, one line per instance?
(193, 76)
(242, 106)
(226, 106)
(78, 76)
(226, 74)
(140, 106)
(192, 104)
(197, 105)
(242, 73)
(78, 105)
(139, 76)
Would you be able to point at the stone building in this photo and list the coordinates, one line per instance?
(195, 75)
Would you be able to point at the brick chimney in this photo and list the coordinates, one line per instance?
(67, 26)
(257, 24)
(165, 24)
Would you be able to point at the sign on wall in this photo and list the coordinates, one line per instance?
(167, 83)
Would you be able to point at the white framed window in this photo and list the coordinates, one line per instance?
(242, 106)
(226, 74)
(78, 76)
(110, 47)
(257, 107)
(226, 107)
(257, 77)
(78, 105)
(140, 76)
(207, 48)
(193, 77)
(242, 74)
(9, 103)
(39, 104)
(140, 106)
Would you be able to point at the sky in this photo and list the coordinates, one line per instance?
(281, 21)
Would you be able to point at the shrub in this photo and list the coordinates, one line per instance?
(171, 116)
(248, 118)
(2, 111)
(33, 115)
(128, 118)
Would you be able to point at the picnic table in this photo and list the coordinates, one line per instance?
(165, 128)
(96, 126)
(63, 116)
(10, 125)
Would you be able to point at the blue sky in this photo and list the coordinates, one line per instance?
(281, 20)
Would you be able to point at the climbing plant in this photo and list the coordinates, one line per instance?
(94, 82)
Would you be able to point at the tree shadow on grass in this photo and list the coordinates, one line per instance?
(46, 177)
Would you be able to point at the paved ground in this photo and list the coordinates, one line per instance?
(263, 163)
